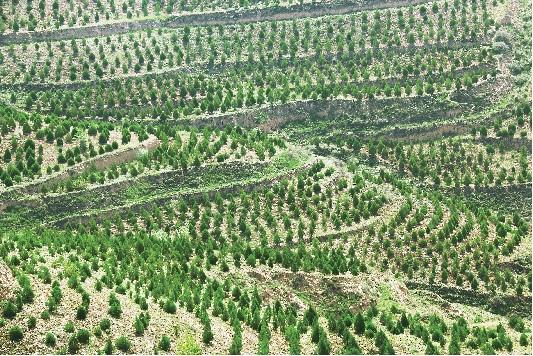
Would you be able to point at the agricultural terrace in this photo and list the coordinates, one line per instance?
(265, 177)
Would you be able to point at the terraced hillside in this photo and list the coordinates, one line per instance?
(255, 177)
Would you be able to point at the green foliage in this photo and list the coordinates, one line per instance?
(83, 336)
(105, 324)
(123, 344)
(81, 312)
(115, 310)
(236, 343)
(108, 347)
(293, 338)
(187, 345)
(9, 310)
(69, 327)
(164, 343)
(324, 346)
(487, 349)
(50, 339)
(32, 322)
(141, 323)
(383, 344)
(431, 349)
(351, 347)
(207, 334)
(15, 333)
(516, 323)
(524, 340)
(170, 307)
(73, 345)
(264, 339)
(359, 324)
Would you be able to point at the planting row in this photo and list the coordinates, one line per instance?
(163, 50)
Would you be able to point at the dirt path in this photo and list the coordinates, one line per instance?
(276, 13)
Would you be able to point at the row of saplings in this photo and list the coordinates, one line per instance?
(81, 337)
(329, 260)
(236, 92)
(146, 58)
(468, 168)
(190, 294)
(194, 288)
(181, 155)
(25, 160)
(452, 243)
(432, 331)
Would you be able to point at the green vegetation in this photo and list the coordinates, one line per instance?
(265, 177)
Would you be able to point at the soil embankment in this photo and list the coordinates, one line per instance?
(10, 196)
(498, 304)
(189, 185)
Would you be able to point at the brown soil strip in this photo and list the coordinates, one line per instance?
(497, 304)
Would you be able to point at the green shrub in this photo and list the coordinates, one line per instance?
(324, 346)
(516, 323)
(351, 347)
(73, 345)
(108, 347)
(83, 336)
(115, 310)
(45, 315)
(187, 345)
(359, 324)
(15, 333)
(105, 324)
(164, 343)
(383, 343)
(123, 344)
(524, 340)
(27, 295)
(81, 312)
(50, 340)
(138, 326)
(454, 347)
(236, 344)
(487, 349)
(170, 307)
(69, 327)
(207, 335)
(32, 322)
(143, 304)
(293, 338)
(431, 349)
(10, 310)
